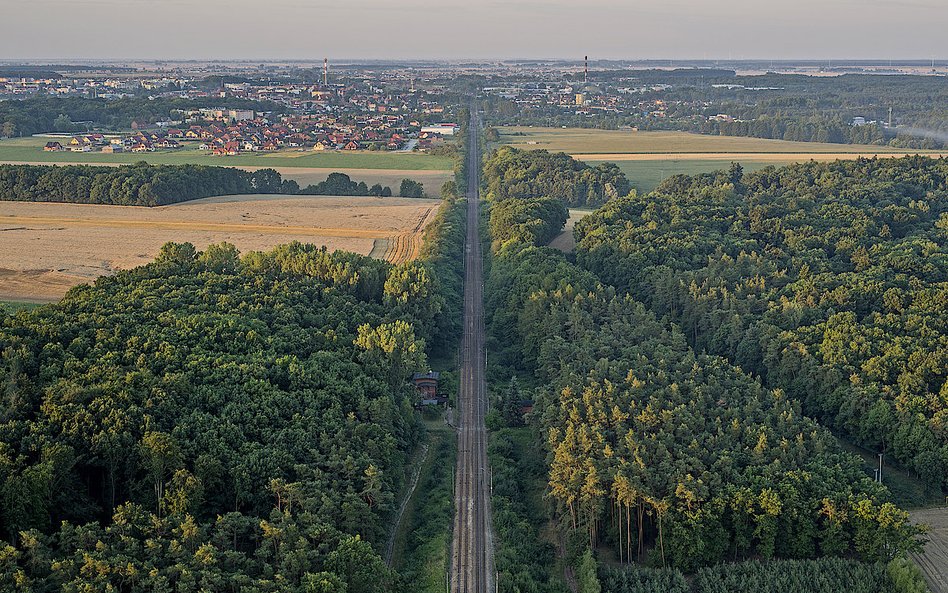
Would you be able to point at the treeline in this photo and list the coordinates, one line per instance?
(826, 575)
(826, 280)
(530, 192)
(523, 560)
(535, 174)
(212, 422)
(142, 184)
(669, 456)
(51, 114)
(777, 106)
(443, 250)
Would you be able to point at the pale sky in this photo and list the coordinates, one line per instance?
(450, 29)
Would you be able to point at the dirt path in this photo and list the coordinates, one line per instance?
(396, 526)
(934, 559)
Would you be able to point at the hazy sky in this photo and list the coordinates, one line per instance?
(634, 29)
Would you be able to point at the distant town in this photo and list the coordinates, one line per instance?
(323, 116)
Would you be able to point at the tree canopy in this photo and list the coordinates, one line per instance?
(826, 280)
(662, 451)
(142, 184)
(210, 421)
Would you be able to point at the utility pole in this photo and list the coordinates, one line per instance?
(880, 468)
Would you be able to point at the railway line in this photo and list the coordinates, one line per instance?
(472, 566)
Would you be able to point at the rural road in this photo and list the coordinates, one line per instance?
(472, 559)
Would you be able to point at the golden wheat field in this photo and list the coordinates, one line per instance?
(933, 559)
(45, 249)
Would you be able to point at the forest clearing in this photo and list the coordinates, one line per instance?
(46, 248)
(565, 241)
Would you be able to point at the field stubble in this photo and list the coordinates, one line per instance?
(47, 248)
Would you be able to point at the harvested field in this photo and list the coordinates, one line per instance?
(934, 559)
(407, 246)
(47, 248)
(647, 158)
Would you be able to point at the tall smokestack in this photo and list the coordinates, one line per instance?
(586, 70)
(326, 72)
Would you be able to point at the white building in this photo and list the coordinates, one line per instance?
(443, 129)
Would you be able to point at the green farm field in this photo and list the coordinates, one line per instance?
(647, 158)
(14, 306)
(581, 141)
(30, 150)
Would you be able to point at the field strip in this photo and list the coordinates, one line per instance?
(391, 245)
(398, 254)
(747, 156)
(418, 235)
(197, 226)
(288, 169)
(380, 248)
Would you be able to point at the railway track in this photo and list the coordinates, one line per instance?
(472, 566)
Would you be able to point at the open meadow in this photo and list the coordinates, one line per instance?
(647, 158)
(583, 141)
(30, 150)
(46, 248)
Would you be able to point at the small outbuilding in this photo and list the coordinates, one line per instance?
(427, 384)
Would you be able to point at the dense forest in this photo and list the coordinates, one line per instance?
(778, 106)
(142, 184)
(826, 575)
(189, 425)
(828, 281)
(670, 456)
(76, 114)
(538, 174)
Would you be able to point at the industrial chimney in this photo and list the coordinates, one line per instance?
(326, 72)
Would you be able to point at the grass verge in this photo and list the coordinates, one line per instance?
(524, 556)
(423, 541)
